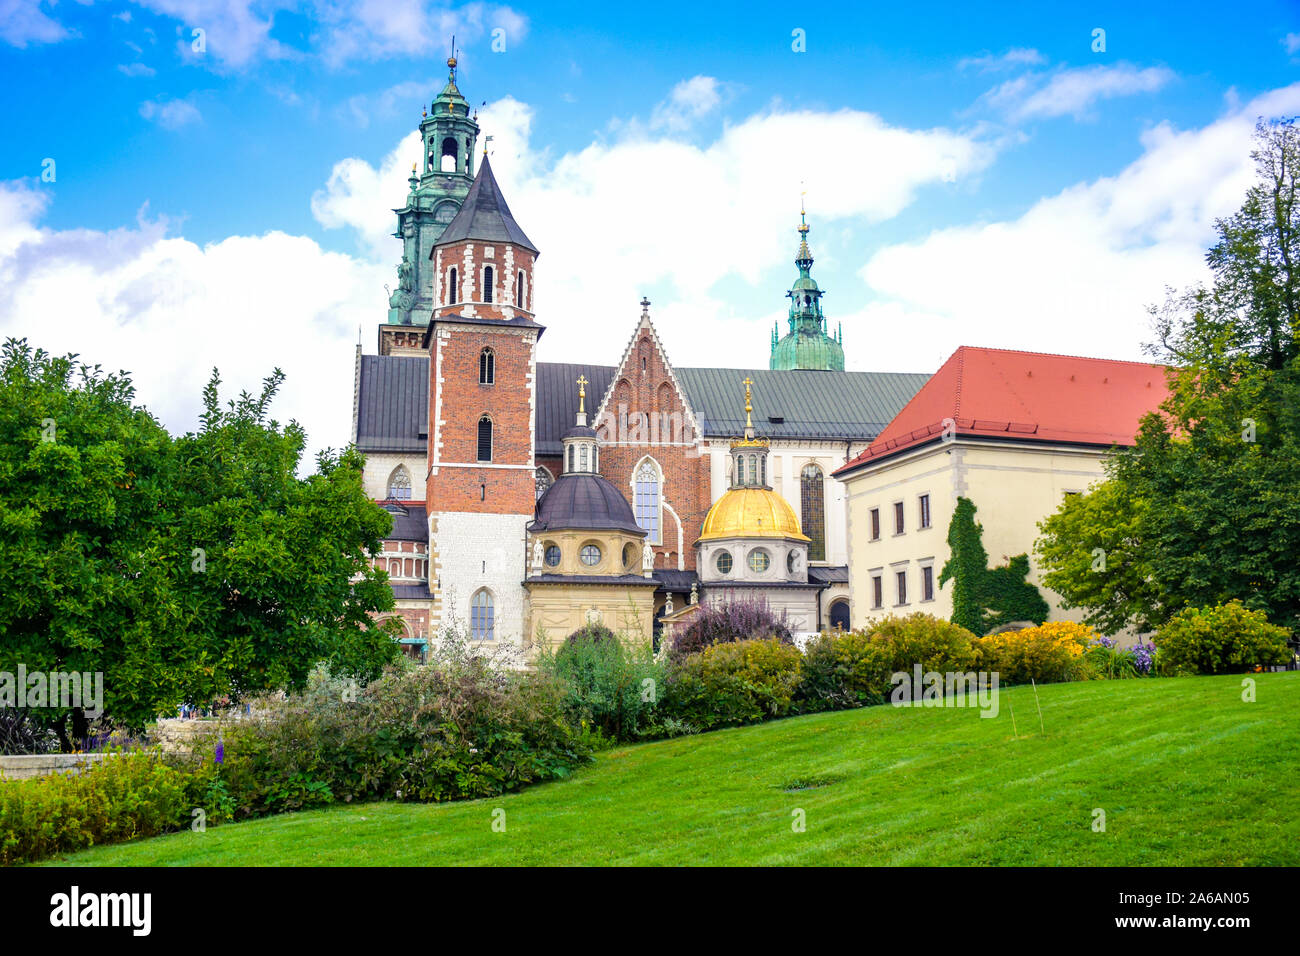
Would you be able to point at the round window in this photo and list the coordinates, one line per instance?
(759, 561)
(724, 562)
(590, 555)
(552, 555)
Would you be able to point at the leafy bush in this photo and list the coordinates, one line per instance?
(734, 683)
(1108, 660)
(742, 620)
(121, 797)
(1045, 654)
(608, 685)
(842, 670)
(1224, 639)
(932, 642)
(428, 733)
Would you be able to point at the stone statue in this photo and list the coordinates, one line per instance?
(668, 604)
(695, 592)
(537, 556)
(404, 274)
(647, 558)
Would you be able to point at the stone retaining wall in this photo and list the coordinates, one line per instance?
(24, 767)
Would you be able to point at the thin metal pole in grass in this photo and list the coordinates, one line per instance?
(1040, 707)
(1012, 708)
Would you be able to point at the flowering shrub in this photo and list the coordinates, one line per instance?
(743, 620)
(1050, 652)
(1107, 659)
(1225, 639)
(842, 670)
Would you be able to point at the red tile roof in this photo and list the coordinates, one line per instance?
(1029, 396)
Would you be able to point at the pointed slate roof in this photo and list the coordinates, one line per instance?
(484, 215)
(1024, 396)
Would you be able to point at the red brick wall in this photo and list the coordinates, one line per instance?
(463, 402)
(646, 414)
(503, 284)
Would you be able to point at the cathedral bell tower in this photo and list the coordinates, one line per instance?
(439, 183)
(807, 344)
(481, 341)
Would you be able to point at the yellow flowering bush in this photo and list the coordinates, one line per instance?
(1047, 653)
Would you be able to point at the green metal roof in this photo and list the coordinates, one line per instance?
(810, 403)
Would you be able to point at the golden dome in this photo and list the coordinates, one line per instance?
(751, 513)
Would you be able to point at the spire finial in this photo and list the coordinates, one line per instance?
(582, 394)
(645, 307)
(749, 408)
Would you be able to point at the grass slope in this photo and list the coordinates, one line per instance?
(1186, 772)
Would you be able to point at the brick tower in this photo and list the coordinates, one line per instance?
(481, 342)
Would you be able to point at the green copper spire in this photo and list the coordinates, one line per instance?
(807, 345)
(439, 184)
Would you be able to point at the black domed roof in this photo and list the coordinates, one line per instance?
(584, 501)
(579, 431)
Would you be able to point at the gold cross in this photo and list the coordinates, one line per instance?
(582, 393)
(749, 423)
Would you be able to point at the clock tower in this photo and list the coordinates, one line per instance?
(439, 183)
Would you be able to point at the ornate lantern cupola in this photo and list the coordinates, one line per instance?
(807, 344)
(749, 454)
(581, 447)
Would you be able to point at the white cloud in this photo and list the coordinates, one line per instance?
(170, 114)
(619, 219)
(24, 21)
(690, 101)
(1015, 57)
(360, 109)
(136, 69)
(1072, 91)
(168, 310)
(238, 32)
(1075, 272)
(1292, 42)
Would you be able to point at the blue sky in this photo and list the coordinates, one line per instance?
(976, 174)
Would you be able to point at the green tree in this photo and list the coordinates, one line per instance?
(1216, 472)
(1094, 557)
(982, 597)
(179, 569)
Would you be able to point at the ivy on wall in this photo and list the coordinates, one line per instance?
(984, 598)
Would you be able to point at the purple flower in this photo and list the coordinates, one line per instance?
(221, 750)
(1142, 654)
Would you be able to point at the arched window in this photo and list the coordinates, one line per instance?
(519, 290)
(812, 496)
(840, 615)
(487, 283)
(582, 457)
(646, 500)
(487, 367)
(544, 481)
(451, 287)
(449, 161)
(399, 483)
(571, 454)
(482, 619)
(485, 439)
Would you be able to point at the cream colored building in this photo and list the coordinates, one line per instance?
(1015, 432)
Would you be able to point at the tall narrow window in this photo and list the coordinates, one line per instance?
(519, 289)
(812, 497)
(646, 500)
(898, 518)
(544, 481)
(485, 439)
(927, 583)
(482, 620)
(877, 591)
(925, 511)
(399, 483)
(487, 283)
(875, 525)
(449, 159)
(571, 454)
(451, 287)
(487, 367)
(902, 586)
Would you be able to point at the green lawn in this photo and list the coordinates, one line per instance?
(1186, 772)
